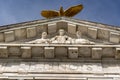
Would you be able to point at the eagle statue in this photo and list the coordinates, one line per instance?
(70, 12)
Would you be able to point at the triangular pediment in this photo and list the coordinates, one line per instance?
(32, 30)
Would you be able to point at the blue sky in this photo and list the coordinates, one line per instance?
(16, 11)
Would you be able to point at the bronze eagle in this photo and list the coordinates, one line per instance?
(70, 12)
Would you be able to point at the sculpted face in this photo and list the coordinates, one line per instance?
(61, 32)
(44, 35)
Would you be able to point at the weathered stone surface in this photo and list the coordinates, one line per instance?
(111, 67)
(14, 51)
(37, 51)
(100, 78)
(103, 34)
(37, 67)
(92, 68)
(3, 52)
(20, 33)
(26, 52)
(72, 28)
(31, 32)
(2, 37)
(1, 67)
(108, 52)
(114, 37)
(116, 78)
(62, 25)
(92, 32)
(11, 67)
(52, 28)
(73, 52)
(84, 52)
(42, 28)
(117, 53)
(49, 52)
(82, 29)
(61, 52)
(9, 36)
(39, 30)
(96, 53)
(24, 67)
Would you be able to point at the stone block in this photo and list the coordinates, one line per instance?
(14, 51)
(103, 78)
(2, 37)
(92, 32)
(26, 52)
(72, 28)
(61, 52)
(3, 52)
(62, 25)
(52, 28)
(31, 32)
(20, 33)
(84, 52)
(96, 53)
(41, 28)
(49, 52)
(103, 34)
(108, 52)
(73, 52)
(83, 29)
(114, 37)
(117, 53)
(37, 51)
(9, 36)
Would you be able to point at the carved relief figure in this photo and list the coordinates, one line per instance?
(42, 40)
(61, 38)
(80, 40)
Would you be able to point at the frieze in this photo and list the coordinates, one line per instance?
(51, 67)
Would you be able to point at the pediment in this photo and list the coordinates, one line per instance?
(28, 31)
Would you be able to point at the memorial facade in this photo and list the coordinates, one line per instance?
(59, 49)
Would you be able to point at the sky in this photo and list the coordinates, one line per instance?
(102, 11)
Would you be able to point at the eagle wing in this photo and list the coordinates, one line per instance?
(72, 11)
(49, 13)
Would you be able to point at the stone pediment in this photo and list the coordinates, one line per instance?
(28, 31)
(64, 56)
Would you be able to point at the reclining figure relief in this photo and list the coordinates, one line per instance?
(43, 39)
(80, 40)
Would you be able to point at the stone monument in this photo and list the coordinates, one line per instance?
(59, 48)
